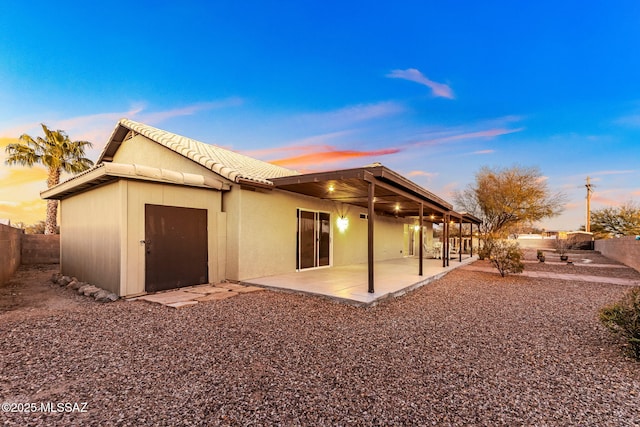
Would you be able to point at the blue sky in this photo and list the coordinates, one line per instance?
(433, 90)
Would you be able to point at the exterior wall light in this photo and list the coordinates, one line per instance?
(343, 223)
(416, 227)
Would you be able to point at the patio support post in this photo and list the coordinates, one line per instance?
(460, 247)
(421, 240)
(445, 239)
(471, 240)
(371, 214)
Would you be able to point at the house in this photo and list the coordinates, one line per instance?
(162, 211)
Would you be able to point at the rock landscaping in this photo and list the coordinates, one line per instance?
(472, 348)
(84, 288)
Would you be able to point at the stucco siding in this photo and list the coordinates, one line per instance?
(142, 151)
(267, 227)
(231, 207)
(90, 236)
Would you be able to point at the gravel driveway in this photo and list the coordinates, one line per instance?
(469, 349)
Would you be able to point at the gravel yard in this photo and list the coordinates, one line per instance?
(469, 349)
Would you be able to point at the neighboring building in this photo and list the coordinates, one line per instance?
(160, 211)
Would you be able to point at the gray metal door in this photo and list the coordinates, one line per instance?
(176, 247)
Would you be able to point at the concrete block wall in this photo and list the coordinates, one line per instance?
(40, 249)
(10, 246)
(543, 244)
(624, 249)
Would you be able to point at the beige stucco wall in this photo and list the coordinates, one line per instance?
(139, 193)
(142, 151)
(262, 226)
(90, 231)
(427, 233)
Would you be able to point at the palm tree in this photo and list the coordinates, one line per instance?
(57, 153)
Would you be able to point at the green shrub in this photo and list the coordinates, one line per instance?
(506, 256)
(486, 247)
(623, 317)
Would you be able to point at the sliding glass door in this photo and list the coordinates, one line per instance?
(314, 239)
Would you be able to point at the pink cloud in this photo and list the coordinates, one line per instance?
(330, 155)
(413, 75)
(306, 145)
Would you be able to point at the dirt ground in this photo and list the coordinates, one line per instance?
(30, 293)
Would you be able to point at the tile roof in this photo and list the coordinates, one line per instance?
(229, 164)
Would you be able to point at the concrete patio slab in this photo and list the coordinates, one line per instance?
(349, 283)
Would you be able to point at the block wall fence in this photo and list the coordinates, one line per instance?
(10, 246)
(624, 249)
(18, 248)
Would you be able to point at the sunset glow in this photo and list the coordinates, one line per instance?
(434, 91)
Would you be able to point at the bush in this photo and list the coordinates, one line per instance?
(623, 318)
(506, 256)
(486, 247)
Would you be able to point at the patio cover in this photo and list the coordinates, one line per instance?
(381, 191)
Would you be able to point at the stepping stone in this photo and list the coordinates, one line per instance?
(182, 304)
(171, 297)
(217, 296)
(208, 289)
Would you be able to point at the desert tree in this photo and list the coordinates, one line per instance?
(57, 153)
(506, 198)
(618, 221)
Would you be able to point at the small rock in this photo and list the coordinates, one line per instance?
(108, 296)
(91, 290)
(71, 283)
(113, 297)
(100, 295)
(83, 287)
(77, 285)
(55, 277)
(64, 280)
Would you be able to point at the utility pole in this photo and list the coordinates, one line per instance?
(587, 227)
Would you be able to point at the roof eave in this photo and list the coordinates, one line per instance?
(107, 172)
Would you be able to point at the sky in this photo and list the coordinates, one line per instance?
(433, 90)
